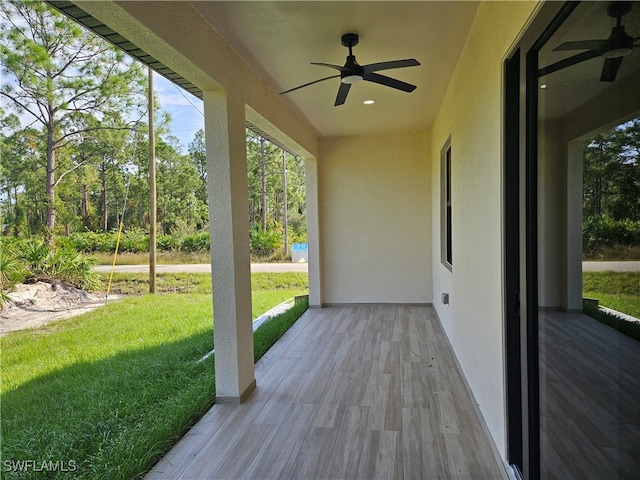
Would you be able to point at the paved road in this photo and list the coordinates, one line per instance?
(204, 268)
(304, 267)
(615, 266)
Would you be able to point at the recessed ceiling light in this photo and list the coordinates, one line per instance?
(369, 102)
(543, 86)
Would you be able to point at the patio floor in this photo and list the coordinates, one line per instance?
(363, 391)
(590, 399)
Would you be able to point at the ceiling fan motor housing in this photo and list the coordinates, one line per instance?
(351, 72)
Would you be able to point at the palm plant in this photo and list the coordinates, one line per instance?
(11, 273)
(58, 264)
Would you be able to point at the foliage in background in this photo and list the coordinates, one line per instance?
(611, 194)
(612, 173)
(264, 244)
(86, 170)
(605, 234)
(72, 84)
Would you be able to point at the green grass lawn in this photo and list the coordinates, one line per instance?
(617, 290)
(138, 283)
(107, 393)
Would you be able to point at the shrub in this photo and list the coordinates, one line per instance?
(264, 243)
(605, 232)
(196, 242)
(134, 240)
(11, 272)
(41, 262)
(72, 268)
(89, 242)
(34, 255)
(167, 243)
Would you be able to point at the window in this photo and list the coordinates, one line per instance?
(445, 210)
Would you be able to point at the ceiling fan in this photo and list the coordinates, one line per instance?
(612, 49)
(352, 72)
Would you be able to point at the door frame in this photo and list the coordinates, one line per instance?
(520, 240)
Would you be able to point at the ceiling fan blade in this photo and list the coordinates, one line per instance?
(583, 45)
(374, 67)
(337, 67)
(342, 93)
(567, 62)
(610, 69)
(388, 82)
(307, 84)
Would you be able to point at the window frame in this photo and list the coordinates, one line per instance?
(446, 238)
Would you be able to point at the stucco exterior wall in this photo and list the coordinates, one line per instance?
(375, 217)
(472, 115)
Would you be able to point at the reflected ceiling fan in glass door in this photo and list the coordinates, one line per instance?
(612, 49)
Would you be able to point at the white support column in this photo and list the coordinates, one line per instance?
(230, 260)
(313, 236)
(574, 226)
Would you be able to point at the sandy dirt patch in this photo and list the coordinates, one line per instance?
(37, 304)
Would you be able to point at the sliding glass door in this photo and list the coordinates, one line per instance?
(578, 416)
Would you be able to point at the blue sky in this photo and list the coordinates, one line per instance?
(186, 110)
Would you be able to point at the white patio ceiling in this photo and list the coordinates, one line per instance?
(280, 39)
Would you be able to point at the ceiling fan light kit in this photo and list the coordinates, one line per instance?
(352, 72)
(351, 79)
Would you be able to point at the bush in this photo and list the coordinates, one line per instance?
(196, 242)
(134, 240)
(167, 243)
(12, 272)
(605, 233)
(265, 243)
(35, 260)
(89, 242)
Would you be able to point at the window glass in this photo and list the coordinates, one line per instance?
(446, 225)
(588, 149)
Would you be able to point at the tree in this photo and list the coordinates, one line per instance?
(22, 180)
(60, 76)
(612, 173)
(199, 158)
(178, 182)
(265, 179)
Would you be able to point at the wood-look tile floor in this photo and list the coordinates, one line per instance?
(589, 400)
(366, 391)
